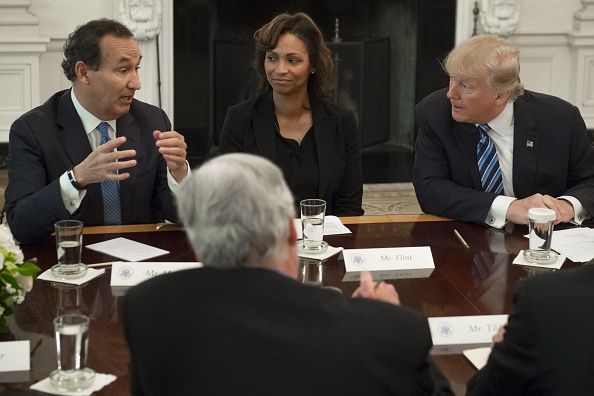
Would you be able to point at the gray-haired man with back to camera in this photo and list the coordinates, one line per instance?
(244, 323)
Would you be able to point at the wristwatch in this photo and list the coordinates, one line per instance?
(72, 179)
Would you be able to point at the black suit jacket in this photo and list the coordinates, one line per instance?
(256, 332)
(50, 139)
(250, 127)
(548, 348)
(552, 155)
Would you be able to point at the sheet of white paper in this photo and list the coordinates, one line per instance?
(14, 356)
(332, 226)
(92, 273)
(575, 243)
(127, 249)
(101, 380)
(520, 260)
(478, 356)
(322, 256)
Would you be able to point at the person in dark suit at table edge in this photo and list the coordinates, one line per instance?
(244, 324)
(313, 141)
(546, 348)
(542, 155)
(93, 152)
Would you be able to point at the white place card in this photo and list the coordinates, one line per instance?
(130, 274)
(126, 249)
(14, 356)
(453, 334)
(478, 356)
(389, 263)
(90, 275)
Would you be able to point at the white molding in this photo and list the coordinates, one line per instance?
(21, 74)
(464, 20)
(166, 56)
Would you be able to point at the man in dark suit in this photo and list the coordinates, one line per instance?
(546, 347)
(243, 324)
(93, 152)
(533, 149)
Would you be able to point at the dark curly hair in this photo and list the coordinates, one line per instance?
(84, 44)
(301, 25)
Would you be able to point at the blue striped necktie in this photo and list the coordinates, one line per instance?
(488, 162)
(110, 189)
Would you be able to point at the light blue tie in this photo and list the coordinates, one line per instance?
(112, 213)
(488, 162)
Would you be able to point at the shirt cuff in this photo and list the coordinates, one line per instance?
(496, 217)
(172, 183)
(579, 213)
(71, 197)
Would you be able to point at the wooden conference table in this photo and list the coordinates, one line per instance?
(478, 280)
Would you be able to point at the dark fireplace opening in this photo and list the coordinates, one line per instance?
(386, 54)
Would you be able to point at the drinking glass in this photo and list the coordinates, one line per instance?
(312, 222)
(541, 222)
(69, 237)
(72, 341)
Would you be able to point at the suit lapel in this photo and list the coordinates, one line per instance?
(264, 126)
(466, 136)
(72, 133)
(76, 144)
(324, 127)
(526, 147)
(128, 127)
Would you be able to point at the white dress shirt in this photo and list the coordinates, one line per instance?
(502, 136)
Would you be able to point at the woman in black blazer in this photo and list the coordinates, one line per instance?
(314, 142)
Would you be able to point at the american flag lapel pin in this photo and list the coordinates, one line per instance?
(529, 143)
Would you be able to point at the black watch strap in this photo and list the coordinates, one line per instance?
(72, 179)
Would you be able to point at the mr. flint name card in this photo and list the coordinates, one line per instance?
(14, 356)
(453, 334)
(389, 263)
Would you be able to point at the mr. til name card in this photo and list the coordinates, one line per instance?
(389, 263)
(453, 334)
(126, 274)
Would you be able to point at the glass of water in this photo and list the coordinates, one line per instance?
(72, 341)
(312, 222)
(541, 222)
(69, 238)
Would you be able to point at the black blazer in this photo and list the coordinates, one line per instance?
(257, 332)
(50, 139)
(250, 127)
(548, 348)
(552, 155)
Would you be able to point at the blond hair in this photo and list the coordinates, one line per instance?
(490, 58)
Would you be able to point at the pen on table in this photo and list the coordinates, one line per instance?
(462, 241)
(107, 264)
